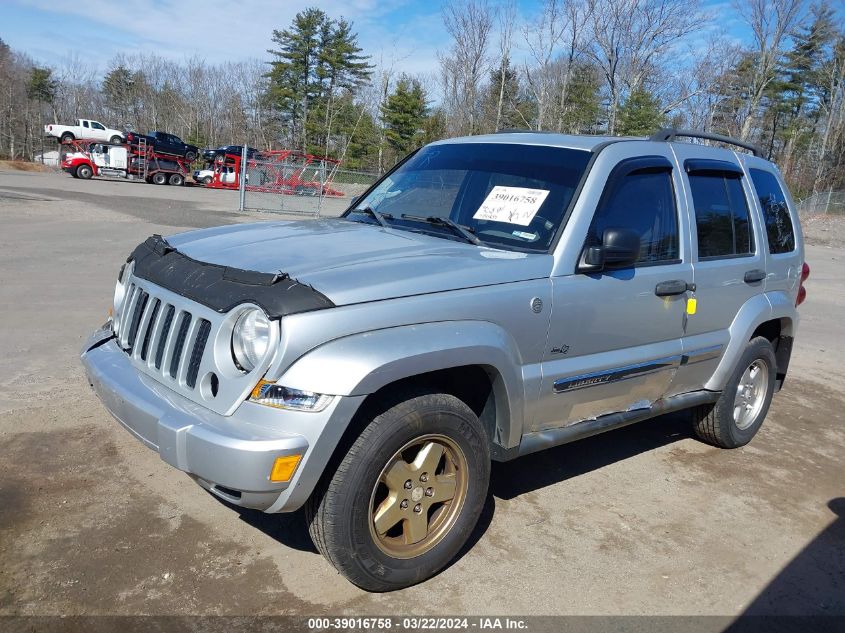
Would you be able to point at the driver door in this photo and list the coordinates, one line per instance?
(98, 131)
(615, 337)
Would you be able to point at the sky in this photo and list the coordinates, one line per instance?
(404, 33)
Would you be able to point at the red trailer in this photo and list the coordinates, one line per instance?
(276, 171)
(120, 160)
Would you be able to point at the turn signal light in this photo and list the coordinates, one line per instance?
(284, 467)
(802, 291)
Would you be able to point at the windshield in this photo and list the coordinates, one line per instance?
(508, 195)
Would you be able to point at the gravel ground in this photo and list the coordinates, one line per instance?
(824, 230)
(644, 520)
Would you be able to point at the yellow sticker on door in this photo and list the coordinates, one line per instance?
(692, 304)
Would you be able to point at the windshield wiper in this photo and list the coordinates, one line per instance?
(379, 217)
(463, 231)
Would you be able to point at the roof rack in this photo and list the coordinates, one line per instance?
(670, 134)
(522, 130)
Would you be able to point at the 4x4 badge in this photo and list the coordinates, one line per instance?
(563, 349)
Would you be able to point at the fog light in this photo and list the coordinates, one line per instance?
(284, 467)
(273, 395)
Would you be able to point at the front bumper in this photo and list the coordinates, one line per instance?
(231, 456)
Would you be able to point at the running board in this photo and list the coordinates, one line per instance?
(540, 440)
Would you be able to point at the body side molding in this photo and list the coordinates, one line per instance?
(540, 440)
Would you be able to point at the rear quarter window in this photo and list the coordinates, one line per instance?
(779, 231)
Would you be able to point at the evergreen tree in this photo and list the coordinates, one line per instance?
(639, 115)
(404, 115)
(582, 109)
(41, 86)
(122, 89)
(515, 110)
(316, 58)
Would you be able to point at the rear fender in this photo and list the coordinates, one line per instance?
(754, 312)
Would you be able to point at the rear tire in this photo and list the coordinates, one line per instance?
(377, 530)
(84, 172)
(207, 180)
(67, 137)
(176, 180)
(159, 178)
(739, 412)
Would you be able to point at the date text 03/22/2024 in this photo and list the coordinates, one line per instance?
(416, 624)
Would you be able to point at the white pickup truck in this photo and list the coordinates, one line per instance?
(84, 129)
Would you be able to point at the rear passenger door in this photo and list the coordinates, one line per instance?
(729, 265)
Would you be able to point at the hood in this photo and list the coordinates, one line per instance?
(352, 262)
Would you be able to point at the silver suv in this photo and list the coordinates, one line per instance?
(490, 297)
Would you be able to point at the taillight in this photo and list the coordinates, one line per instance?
(802, 291)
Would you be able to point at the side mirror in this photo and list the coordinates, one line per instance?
(353, 200)
(620, 248)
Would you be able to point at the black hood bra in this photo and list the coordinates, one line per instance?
(221, 288)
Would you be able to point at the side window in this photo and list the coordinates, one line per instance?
(721, 213)
(775, 211)
(85, 124)
(642, 201)
(96, 126)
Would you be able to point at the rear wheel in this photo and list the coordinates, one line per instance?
(84, 171)
(176, 179)
(67, 137)
(407, 494)
(159, 178)
(740, 410)
(207, 180)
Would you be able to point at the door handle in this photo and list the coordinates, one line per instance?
(753, 276)
(671, 287)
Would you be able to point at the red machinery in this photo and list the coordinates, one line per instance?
(137, 162)
(277, 171)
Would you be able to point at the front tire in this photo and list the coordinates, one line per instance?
(739, 412)
(115, 140)
(84, 172)
(407, 494)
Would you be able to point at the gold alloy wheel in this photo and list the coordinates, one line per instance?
(418, 496)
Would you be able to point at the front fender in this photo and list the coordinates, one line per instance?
(361, 364)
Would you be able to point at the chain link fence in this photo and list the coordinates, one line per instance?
(823, 203)
(299, 184)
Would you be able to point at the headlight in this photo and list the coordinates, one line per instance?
(273, 395)
(120, 292)
(250, 339)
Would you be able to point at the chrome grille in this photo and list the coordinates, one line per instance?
(178, 337)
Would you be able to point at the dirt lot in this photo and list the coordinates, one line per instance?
(644, 520)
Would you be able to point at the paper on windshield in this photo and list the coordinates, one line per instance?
(514, 205)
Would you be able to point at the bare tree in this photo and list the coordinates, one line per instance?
(542, 38)
(630, 38)
(507, 24)
(470, 23)
(577, 13)
(771, 22)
